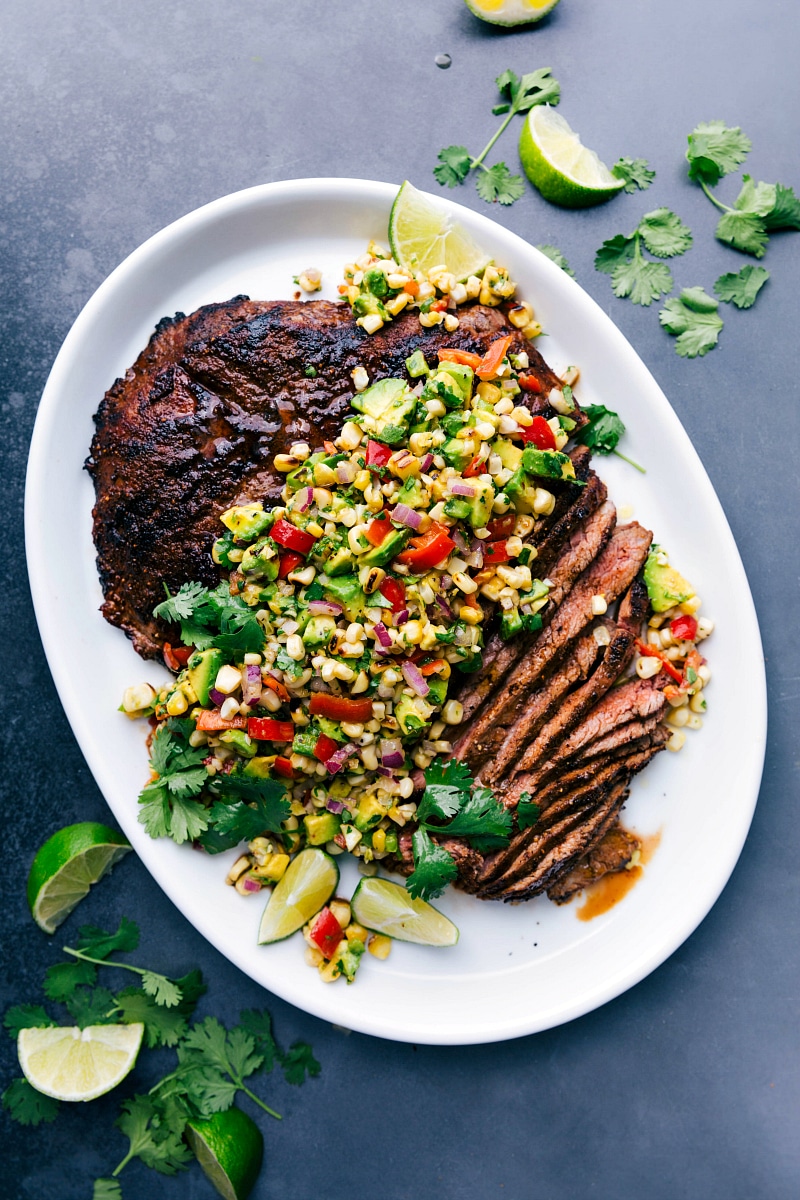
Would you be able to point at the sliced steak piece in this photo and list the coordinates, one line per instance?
(634, 607)
(487, 685)
(612, 853)
(647, 732)
(194, 425)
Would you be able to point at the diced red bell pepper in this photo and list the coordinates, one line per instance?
(211, 721)
(329, 447)
(495, 553)
(288, 562)
(529, 383)
(326, 932)
(538, 434)
(325, 747)
(340, 708)
(288, 535)
(283, 767)
(428, 549)
(465, 357)
(487, 368)
(378, 529)
(393, 591)
(502, 527)
(267, 729)
(431, 668)
(177, 656)
(440, 305)
(412, 287)
(378, 455)
(476, 467)
(277, 687)
(683, 628)
(651, 652)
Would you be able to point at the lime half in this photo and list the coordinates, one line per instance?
(556, 162)
(229, 1147)
(386, 907)
(78, 1064)
(511, 12)
(423, 235)
(308, 884)
(67, 865)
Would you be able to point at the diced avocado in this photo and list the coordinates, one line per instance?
(451, 422)
(305, 740)
(458, 509)
(390, 403)
(247, 520)
(413, 494)
(370, 811)
(549, 464)
(457, 453)
(260, 766)
(520, 491)
(261, 559)
(203, 667)
(221, 549)
(366, 303)
(510, 623)
(481, 503)
(375, 282)
(458, 376)
(416, 365)
(303, 476)
(348, 591)
(437, 690)
(347, 958)
(391, 545)
(341, 562)
(318, 632)
(666, 587)
(321, 828)
(510, 455)
(240, 741)
(391, 843)
(412, 713)
(274, 868)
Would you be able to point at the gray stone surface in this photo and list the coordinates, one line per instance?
(118, 119)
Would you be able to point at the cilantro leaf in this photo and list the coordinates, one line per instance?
(25, 1016)
(555, 255)
(481, 818)
(603, 431)
(155, 1134)
(298, 1063)
(536, 87)
(785, 213)
(434, 868)
(25, 1105)
(213, 618)
(635, 171)
(643, 281)
(497, 183)
(62, 979)
(258, 1023)
(107, 1189)
(91, 1006)
(166, 807)
(447, 786)
(743, 231)
(664, 233)
(247, 807)
(741, 287)
(190, 598)
(615, 252)
(715, 150)
(162, 1026)
(693, 319)
(758, 198)
(454, 165)
(163, 990)
(98, 944)
(527, 813)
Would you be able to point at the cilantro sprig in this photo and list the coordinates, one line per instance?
(496, 183)
(665, 236)
(715, 150)
(636, 172)
(452, 806)
(741, 287)
(603, 431)
(694, 320)
(212, 618)
(213, 1064)
(555, 255)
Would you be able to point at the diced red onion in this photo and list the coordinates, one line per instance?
(475, 558)
(404, 515)
(445, 607)
(339, 758)
(446, 582)
(463, 637)
(401, 617)
(251, 885)
(392, 752)
(460, 489)
(383, 635)
(459, 540)
(417, 389)
(414, 678)
(325, 608)
(425, 465)
(335, 806)
(387, 772)
(345, 472)
(318, 685)
(216, 697)
(304, 499)
(251, 684)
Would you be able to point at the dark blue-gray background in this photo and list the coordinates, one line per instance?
(118, 118)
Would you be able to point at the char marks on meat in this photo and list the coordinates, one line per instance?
(193, 427)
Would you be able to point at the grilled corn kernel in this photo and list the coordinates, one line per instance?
(647, 667)
(678, 716)
(543, 502)
(313, 956)
(520, 315)
(285, 463)
(451, 322)
(350, 437)
(430, 319)
(238, 869)
(453, 712)
(379, 945)
(341, 910)
(677, 741)
(136, 698)
(370, 324)
(356, 933)
(599, 605)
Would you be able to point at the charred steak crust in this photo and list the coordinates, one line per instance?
(193, 426)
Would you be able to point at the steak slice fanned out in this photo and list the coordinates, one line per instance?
(194, 425)
(612, 853)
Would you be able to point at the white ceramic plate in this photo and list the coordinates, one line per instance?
(518, 969)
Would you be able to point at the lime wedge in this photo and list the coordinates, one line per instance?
(511, 12)
(386, 907)
(309, 882)
(229, 1147)
(78, 1064)
(556, 162)
(67, 865)
(423, 235)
